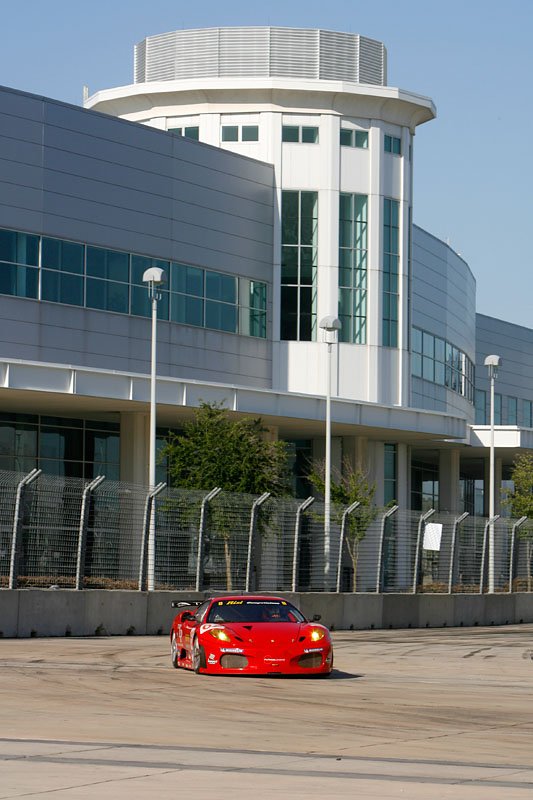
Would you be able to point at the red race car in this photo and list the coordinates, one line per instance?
(249, 635)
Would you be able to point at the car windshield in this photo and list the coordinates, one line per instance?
(254, 611)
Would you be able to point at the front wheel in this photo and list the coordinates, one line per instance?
(174, 651)
(198, 656)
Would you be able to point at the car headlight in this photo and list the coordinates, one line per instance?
(220, 634)
(315, 634)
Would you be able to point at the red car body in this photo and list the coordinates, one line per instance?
(249, 635)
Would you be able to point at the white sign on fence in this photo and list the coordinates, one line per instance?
(432, 536)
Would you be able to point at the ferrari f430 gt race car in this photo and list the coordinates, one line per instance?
(252, 635)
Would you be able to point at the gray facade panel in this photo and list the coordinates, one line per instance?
(110, 183)
(514, 344)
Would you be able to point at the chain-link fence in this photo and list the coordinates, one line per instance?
(78, 534)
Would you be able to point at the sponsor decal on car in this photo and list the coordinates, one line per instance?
(231, 650)
(313, 649)
(275, 660)
(212, 658)
(207, 626)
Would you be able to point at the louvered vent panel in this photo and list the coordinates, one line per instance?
(196, 53)
(372, 62)
(293, 53)
(160, 57)
(338, 56)
(139, 62)
(243, 51)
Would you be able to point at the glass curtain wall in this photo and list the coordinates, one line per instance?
(391, 264)
(299, 237)
(353, 259)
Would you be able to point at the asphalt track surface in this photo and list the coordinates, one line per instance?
(412, 714)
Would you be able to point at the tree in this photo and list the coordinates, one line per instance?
(520, 502)
(233, 454)
(348, 486)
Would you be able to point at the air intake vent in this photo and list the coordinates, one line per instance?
(239, 56)
(338, 56)
(372, 62)
(303, 53)
(293, 53)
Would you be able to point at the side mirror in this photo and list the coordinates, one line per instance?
(187, 616)
(317, 617)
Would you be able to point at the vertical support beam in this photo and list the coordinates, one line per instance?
(201, 533)
(148, 531)
(488, 525)
(456, 524)
(421, 525)
(379, 576)
(82, 532)
(512, 550)
(299, 510)
(258, 502)
(346, 513)
(17, 527)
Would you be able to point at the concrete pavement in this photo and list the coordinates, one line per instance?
(444, 713)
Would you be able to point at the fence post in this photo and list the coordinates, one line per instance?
(82, 533)
(416, 568)
(201, 531)
(379, 577)
(488, 523)
(15, 541)
(301, 507)
(341, 542)
(456, 524)
(517, 525)
(253, 518)
(143, 559)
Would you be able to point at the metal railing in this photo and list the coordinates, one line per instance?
(67, 532)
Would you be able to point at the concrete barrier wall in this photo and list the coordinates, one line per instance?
(45, 612)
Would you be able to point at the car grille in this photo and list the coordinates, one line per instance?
(310, 660)
(233, 661)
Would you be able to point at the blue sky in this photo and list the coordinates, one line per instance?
(474, 58)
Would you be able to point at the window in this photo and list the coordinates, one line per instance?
(107, 283)
(390, 476)
(440, 362)
(353, 138)
(240, 133)
(299, 238)
(306, 134)
(527, 414)
(59, 445)
(189, 131)
(512, 411)
(62, 271)
(111, 280)
(391, 260)
(393, 145)
(481, 407)
(353, 253)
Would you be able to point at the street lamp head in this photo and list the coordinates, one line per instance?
(330, 324)
(493, 361)
(154, 275)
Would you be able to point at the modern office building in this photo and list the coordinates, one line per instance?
(269, 171)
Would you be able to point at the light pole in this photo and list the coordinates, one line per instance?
(331, 326)
(153, 278)
(492, 362)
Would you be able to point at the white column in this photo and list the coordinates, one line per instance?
(134, 447)
(449, 478)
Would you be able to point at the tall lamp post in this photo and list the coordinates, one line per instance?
(492, 362)
(153, 278)
(331, 326)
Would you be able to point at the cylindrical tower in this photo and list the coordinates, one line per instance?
(315, 104)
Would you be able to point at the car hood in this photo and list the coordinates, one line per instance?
(267, 632)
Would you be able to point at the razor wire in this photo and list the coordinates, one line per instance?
(72, 533)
